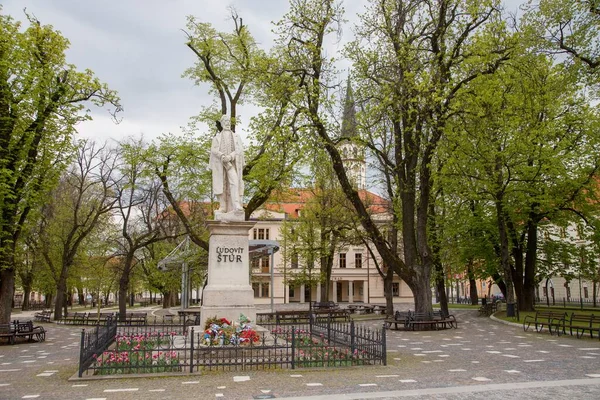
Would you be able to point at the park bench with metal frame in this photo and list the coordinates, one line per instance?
(544, 318)
(43, 316)
(443, 320)
(400, 318)
(323, 305)
(581, 323)
(27, 330)
(7, 331)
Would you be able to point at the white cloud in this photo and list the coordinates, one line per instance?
(138, 48)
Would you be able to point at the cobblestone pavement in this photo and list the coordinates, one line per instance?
(482, 359)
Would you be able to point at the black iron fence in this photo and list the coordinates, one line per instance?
(177, 348)
(568, 302)
(94, 342)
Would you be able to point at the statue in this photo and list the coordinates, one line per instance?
(227, 163)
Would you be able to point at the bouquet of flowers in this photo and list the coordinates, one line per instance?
(220, 331)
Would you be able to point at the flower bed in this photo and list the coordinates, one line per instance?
(316, 351)
(138, 354)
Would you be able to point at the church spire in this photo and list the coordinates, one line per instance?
(352, 153)
(349, 117)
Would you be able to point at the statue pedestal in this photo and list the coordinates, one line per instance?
(228, 292)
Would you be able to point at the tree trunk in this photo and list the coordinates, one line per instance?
(474, 296)
(80, 294)
(26, 295)
(527, 298)
(7, 291)
(123, 284)
(421, 289)
(61, 293)
(441, 288)
(48, 300)
(388, 292)
(504, 259)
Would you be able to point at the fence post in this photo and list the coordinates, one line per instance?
(192, 350)
(352, 337)
(293, 347)
(383, 345)
(81, 353)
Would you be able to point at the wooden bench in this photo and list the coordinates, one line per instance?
(332, 314)
(7, 331)
(43, 316)
(100, 318)
(323, 305)
(580, 323)
(379, 309)
(27, 330)
(136, 318)
(549, 319)
(444, 321)
(361, 308)
(400, 317)
(77, 318)
(292, 317)
(421, 319)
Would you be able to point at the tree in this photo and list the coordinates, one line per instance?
(83, 198)
(325, 225)
(141, 206)
(570, 27)
(410, 60)
(525, 148)
(41, 100)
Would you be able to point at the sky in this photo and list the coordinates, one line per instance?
(138, 48)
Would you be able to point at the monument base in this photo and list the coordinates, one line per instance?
(228, 292)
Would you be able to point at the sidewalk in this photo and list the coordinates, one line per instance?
(482, 359)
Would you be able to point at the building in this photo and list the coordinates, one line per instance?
(354, 276)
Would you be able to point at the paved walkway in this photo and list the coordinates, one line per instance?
(483, 359)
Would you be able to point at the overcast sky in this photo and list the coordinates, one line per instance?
(137, 48)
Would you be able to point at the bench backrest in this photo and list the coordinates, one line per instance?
(421, 316)
(581, 318)
(22, 327)
(400, 315)
(548, 315)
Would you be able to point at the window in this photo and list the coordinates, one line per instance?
(255, 287)
(342, 260)
(545, 291)
(260, 234)
(396, 289)
(294, 260)
(358, 260)
(292, 292)
(255, 263)
(264, 290)
(585, 292)
(563, 233)
(580, 231)
(265, 263)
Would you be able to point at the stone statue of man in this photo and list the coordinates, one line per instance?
(227, 163)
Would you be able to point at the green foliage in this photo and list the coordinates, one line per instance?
(570, 27)
(42, 98)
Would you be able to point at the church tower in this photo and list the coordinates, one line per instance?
(352, 153)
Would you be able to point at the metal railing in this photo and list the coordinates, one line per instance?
(176, 348)
(95, 342)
